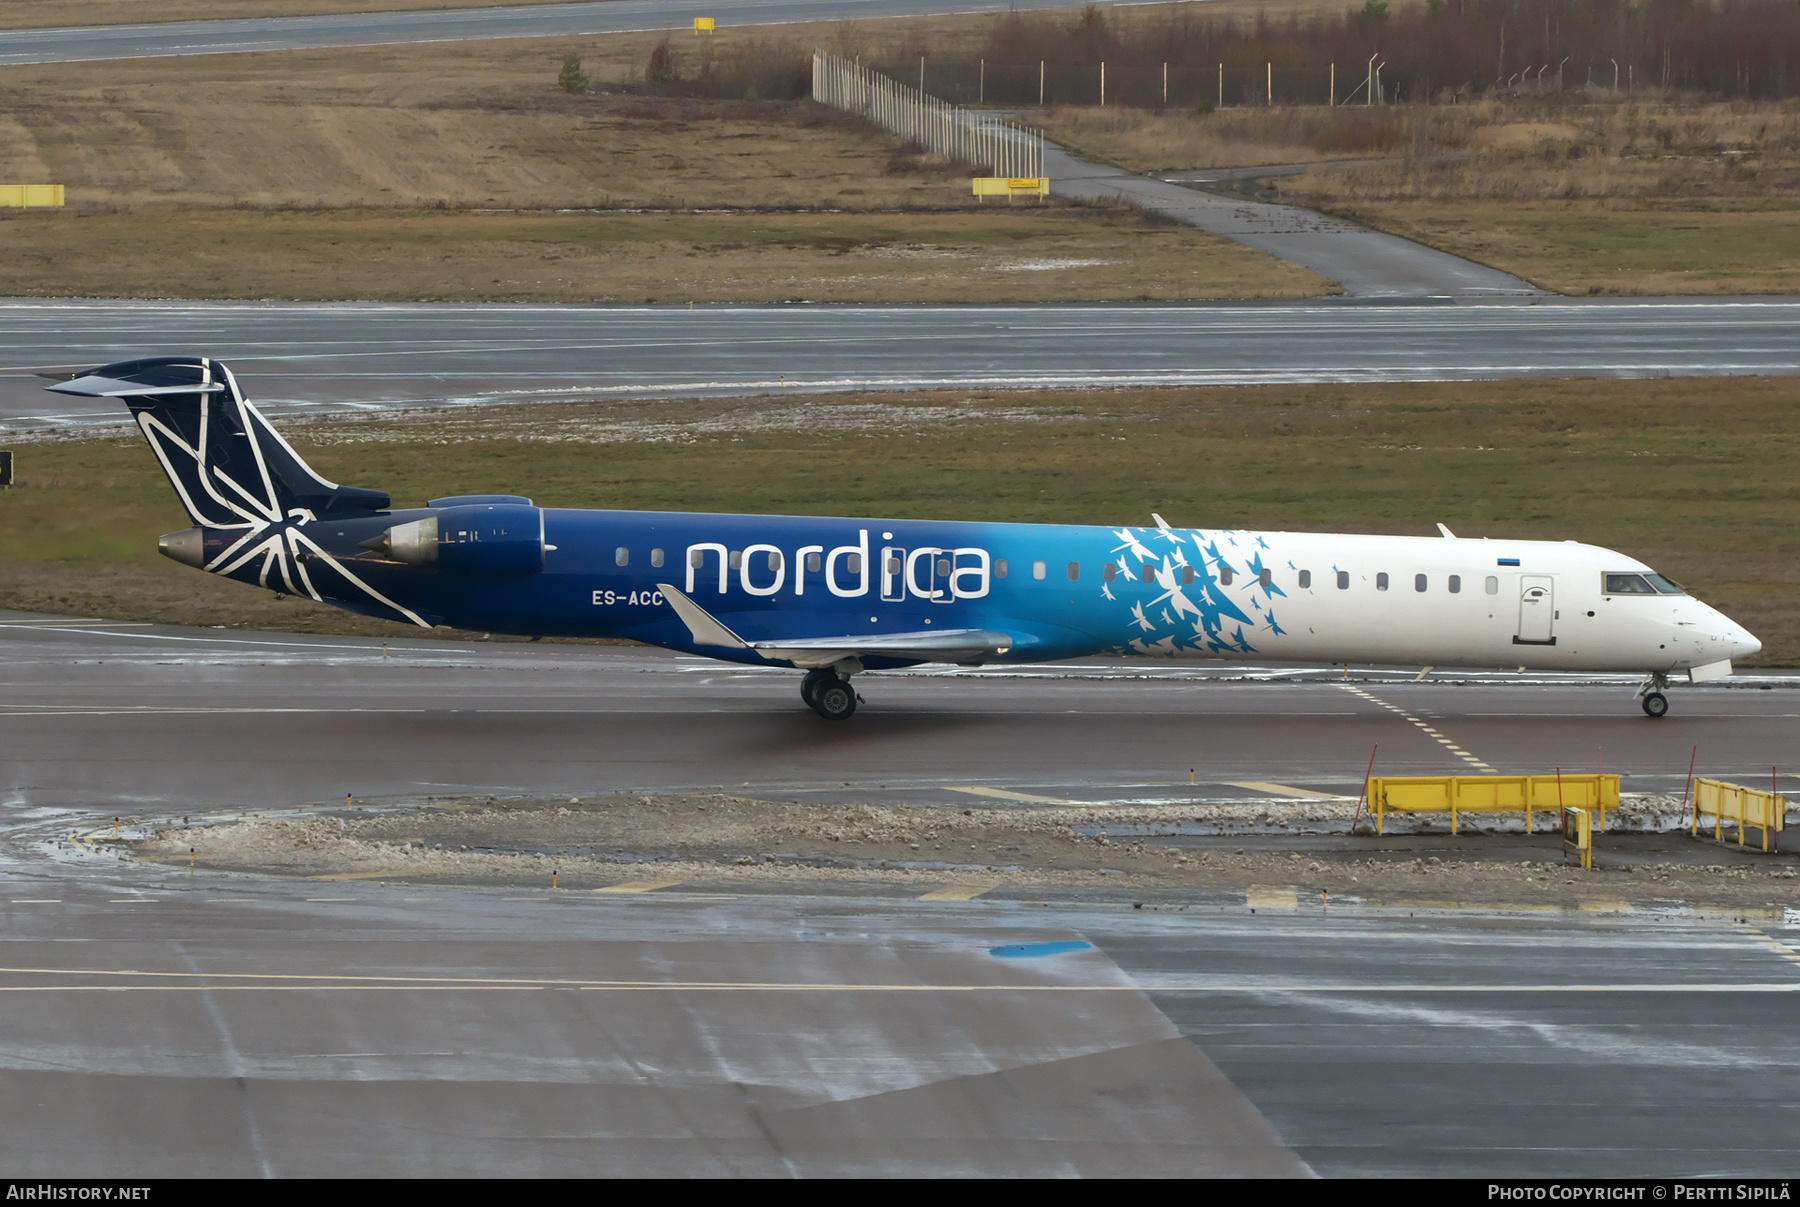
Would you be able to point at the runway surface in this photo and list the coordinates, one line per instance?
(301, 359)
(456, 25)
(159, 1023)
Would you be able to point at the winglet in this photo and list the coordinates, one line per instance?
(1448, 535)
(705, 629)
(1160, 522)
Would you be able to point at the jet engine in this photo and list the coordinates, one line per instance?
(480, 541)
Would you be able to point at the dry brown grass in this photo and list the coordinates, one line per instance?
(1018, 255)
(478, 124)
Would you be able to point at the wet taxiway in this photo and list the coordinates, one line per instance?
(156, 1021)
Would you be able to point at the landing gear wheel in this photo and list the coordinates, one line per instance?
(1656, 704)
(809, 686)
(834, 699)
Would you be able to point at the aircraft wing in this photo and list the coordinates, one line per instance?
(930, 645)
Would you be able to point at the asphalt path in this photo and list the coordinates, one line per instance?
(1366, 263)
(89, 43)
(167, 1023)
(307, 358)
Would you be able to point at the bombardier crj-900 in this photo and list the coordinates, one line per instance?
(835, 597)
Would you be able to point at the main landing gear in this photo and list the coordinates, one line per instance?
(828, 694)
(1655, 704)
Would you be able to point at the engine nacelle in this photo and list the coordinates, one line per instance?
(480, 541)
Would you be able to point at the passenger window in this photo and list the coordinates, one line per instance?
(621, 556)
(1456, 584)
(1037, 570)
(774, 560)
(1225, 576)
(1187, 576)
(943, 567)
(1265, 576)
(656, 558)
(1343, 580)
(1492, 585)
(1418, 582)
(1381, 581)
(1074, 571)
(893, 565)
(814, 561)
(697, 558)
(737, 558)
(852, 561)
(1306, 578)
(1147, 573)
(1000, 567)
(1628, 584)
(1106, 572)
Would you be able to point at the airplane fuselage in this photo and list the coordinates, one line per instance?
(1062, 591)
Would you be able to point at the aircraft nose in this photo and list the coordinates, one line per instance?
(1739, 641)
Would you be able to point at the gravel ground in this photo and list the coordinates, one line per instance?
(1160, 850)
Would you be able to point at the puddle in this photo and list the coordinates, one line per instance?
(1029, 951)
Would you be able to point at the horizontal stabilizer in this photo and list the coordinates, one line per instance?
(94, 386)
(928, 645)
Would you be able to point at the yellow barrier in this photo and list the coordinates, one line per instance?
(1458, 794)
(1745, 806)
(17, 195)
(1578, 835)
(703, 25)
(1012, 186)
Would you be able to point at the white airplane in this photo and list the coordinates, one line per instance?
(836, 597)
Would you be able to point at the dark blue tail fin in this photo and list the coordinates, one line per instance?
(230, 468)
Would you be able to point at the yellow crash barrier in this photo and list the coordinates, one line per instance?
(1012, 186)
(703, 25)
(1725, 802)
(16, 195)
(1578, 836)
(1458, 794)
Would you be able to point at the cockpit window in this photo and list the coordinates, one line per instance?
(1664, 586)
(1628, 584)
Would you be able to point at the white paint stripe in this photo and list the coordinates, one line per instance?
(1284, 790)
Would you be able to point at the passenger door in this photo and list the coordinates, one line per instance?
(893, 574)
(1537, 610)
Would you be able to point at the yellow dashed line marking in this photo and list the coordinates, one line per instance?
(1606, 907)
(638, 886)
(1265, 897)
(965, 892)
(1447, 744)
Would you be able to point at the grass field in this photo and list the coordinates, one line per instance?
(1587, 249)
(1579, 195)
(1053, 254)
(1695, 476)
(375, 174)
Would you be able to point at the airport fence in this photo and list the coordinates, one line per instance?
(1723, 802)
(1459, 794)
(983, 140)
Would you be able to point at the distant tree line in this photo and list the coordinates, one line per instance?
(1441, 49)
